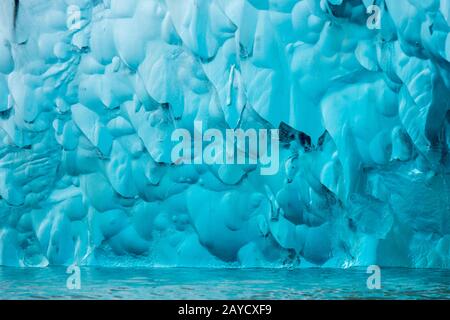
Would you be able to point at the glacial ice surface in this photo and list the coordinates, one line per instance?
(91, 90)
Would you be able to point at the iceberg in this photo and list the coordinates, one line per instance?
(91, 92)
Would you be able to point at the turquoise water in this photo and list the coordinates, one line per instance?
(185, 283)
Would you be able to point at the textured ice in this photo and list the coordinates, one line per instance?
(91, 90)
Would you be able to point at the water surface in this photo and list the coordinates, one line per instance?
(185, 283)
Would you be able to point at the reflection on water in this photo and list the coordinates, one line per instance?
(185, 283)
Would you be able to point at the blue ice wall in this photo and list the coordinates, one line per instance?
(91, 90)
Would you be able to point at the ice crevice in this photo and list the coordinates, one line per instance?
(91, 91)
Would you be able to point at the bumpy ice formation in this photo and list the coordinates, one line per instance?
(91, 90)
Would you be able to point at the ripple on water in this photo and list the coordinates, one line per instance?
(254, 284)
